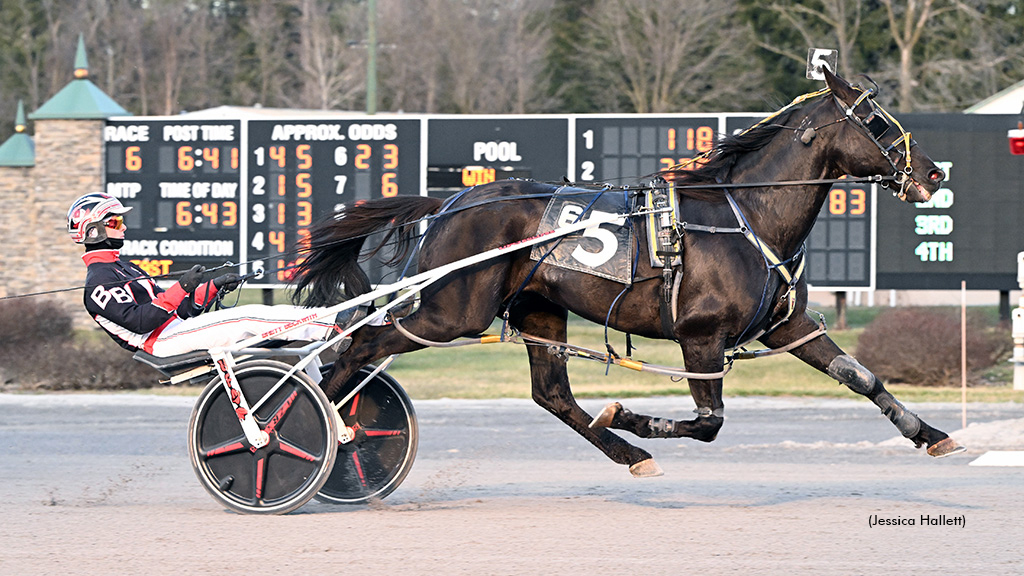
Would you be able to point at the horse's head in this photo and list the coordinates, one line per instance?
(871, 142)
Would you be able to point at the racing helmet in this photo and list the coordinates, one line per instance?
(87, 216)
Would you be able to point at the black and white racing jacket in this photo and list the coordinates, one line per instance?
(129, 305)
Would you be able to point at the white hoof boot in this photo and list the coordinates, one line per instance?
(606, 415)
(646, 469)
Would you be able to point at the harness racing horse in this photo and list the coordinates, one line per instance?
(769, 179)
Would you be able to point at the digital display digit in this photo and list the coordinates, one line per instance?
(182, 179)
(620, 150)
(300, 171)
(464, 152)
(840, 254)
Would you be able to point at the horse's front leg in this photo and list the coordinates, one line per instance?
(823, 354)
(552, 392)
(704, 356)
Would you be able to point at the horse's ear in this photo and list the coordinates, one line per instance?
(841, 88)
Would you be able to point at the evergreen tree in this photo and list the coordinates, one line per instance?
(569, 83)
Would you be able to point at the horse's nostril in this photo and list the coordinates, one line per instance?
(936, 175)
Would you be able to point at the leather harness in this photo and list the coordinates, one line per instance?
(665, 231)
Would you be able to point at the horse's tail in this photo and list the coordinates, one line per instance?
(330, 271)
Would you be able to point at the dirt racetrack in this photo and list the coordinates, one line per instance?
(102, 485)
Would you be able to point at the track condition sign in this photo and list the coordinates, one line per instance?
(246, 191)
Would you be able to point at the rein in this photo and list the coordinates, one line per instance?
(878, 179)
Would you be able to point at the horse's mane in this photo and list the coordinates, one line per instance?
(720, 161)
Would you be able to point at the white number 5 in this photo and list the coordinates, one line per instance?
(818, 59)
(609, 244)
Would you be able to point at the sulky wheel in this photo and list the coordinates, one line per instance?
(382, 451)
(281, 476)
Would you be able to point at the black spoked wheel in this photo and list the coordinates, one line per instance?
(281, 476)
(381, 454)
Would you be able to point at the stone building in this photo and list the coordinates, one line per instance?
(40, 177)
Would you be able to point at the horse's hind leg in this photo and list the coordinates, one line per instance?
(551, 388)
(823, 354)
(700, 356)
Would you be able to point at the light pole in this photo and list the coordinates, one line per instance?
(371, 56)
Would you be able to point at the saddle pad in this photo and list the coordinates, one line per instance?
(604, 251)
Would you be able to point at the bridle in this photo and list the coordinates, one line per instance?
(876, 124)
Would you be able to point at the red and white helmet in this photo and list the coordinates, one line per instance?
(87, 215)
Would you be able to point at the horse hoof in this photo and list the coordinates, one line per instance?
(605, 416)
(646, 469)
(945, 447)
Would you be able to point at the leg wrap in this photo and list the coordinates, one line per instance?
(704, 428)
(850, 372)
(859, 379)
(906, 421)
(662, 428)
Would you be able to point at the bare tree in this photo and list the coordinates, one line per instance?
(907, 21)
(669, 56)
(951, 53)
(470, 45)
(167, 27)
(522, 56)
(331, 76)
(162, 56)
(204, 84)
(411, 54)
(57, 38)
(826, 24)
(463, 55)
(267, 53)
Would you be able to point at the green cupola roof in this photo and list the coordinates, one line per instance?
(81, 99)
(19, 149)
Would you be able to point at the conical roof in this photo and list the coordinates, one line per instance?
(81, 99)
(19, 149)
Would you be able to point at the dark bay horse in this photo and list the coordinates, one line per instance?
(729, 290)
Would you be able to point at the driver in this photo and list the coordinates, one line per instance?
(139, 315)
